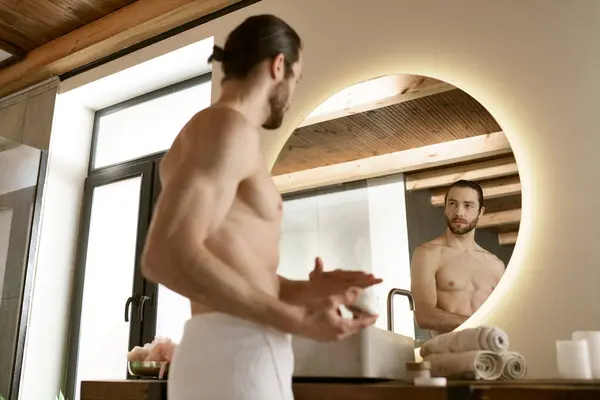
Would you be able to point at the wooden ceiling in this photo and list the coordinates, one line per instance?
(47, 38)
(434, 139)
(27, 24)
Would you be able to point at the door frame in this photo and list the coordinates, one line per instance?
(139, 330)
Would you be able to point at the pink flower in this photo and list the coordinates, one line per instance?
(161, 349)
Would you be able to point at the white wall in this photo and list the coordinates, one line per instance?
(47, 333)
(357, 227)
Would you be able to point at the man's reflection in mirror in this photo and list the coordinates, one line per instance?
(452, 275)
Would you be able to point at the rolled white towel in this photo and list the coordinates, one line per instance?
(482, 338)
(485, 365)
(515, 366)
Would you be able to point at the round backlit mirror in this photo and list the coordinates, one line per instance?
(410, 178)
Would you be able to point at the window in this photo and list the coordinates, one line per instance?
(129, 131)
(355, 226)
(114, 307)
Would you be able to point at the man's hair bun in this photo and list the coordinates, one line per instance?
(217, 55)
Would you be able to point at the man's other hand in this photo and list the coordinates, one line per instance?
(323, 284)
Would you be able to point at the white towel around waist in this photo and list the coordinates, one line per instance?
(223, 357)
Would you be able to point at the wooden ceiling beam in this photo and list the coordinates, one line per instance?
(367, 96)
(401, 161)
(496, 168)
(507, 238)
(508, 217)
(11, 49)
(125, 27)
(491, 190)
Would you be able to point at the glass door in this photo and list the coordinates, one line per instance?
(115, 308)
(108, 320)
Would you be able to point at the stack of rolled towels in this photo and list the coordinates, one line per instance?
(475, 353)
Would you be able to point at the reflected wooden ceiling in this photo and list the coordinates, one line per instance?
(425, 121)
(434, 139)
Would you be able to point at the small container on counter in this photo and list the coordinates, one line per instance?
(418, 370)
(438, 381)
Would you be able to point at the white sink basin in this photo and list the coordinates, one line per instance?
(372, 353)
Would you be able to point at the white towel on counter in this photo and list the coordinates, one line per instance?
(485, 338)
(477, 364)
(515, 366)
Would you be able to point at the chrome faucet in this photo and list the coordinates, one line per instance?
(390, 304)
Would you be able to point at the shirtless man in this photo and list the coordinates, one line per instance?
(214, 236)
(452, 275)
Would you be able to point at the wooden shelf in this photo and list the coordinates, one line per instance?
(390, 390)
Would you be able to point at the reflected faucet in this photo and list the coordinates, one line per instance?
(390, 304)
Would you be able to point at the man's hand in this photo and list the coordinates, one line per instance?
(322, 320)
(323, 284)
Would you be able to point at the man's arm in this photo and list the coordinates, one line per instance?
(294, 292)
(322, 284)
(192, 205)
(499, 268)
(423, 287)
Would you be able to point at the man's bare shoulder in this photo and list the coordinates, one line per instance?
(497, 263)
(219, 124)
(494, 262)
(433, 247)
(212, 136)
(425, 259)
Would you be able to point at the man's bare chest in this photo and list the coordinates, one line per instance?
(259, 194)
(461, 269)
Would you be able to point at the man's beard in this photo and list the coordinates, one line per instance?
(462, 229)
(278, 102)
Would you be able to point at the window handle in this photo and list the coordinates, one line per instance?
(143, 301)
(128, 308)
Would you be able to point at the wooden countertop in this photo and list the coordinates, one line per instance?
(456, 390)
